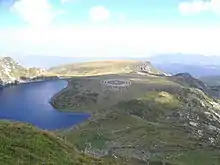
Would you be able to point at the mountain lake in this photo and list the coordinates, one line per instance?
(31, 103)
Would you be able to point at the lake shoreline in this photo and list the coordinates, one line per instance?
(18, 82)
(34, 99)
(53, 98)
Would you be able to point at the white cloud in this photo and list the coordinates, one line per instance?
(197, 6)
(35, 12)
(99, 13)
(110, 42)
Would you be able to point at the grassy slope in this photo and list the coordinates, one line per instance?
(150, 126)
(87, 94)
(99, 68)
(151, 121)
(24, 144)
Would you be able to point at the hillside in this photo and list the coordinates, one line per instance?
(186, 79)
(24, 144)
(139, 116)
(11, 71)
(155, 119)
(105, 67)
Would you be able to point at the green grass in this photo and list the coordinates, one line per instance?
(24, 144)
(94, 68)
(86, 93)
(135, 127)
(199, 157)
(101, 68)
(150, 121)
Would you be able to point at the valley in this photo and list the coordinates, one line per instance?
(139, 115)
(91, 82)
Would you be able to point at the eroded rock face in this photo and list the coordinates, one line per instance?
(11, 71)
(146, 67)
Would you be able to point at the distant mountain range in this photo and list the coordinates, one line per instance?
(196, 65)
(185, 59)
(195, 70)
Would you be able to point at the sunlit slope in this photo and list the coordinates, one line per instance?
(104, 67)
(24, 144)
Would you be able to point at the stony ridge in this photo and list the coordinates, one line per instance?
(12, 72)
(145, 67)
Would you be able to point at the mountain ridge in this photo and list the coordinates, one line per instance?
(106, 67)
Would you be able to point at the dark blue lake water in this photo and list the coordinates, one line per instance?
(30, 103)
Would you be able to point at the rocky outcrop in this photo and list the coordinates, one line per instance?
(11, 72)
(145, 67)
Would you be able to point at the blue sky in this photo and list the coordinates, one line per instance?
(109, 27)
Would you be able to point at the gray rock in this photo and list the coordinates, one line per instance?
(193, 124)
